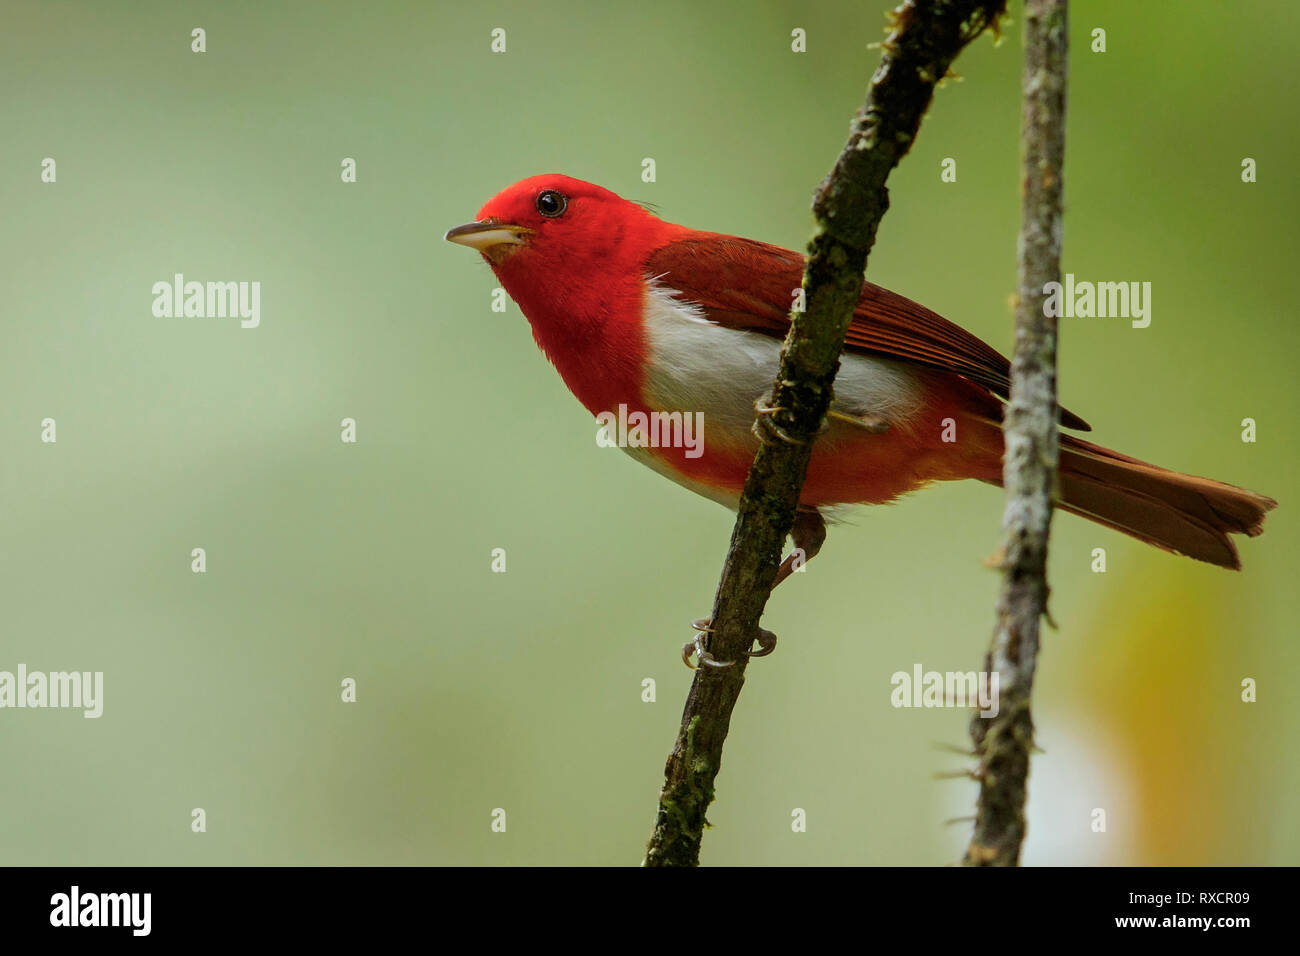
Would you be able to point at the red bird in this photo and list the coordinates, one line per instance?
(638, 312)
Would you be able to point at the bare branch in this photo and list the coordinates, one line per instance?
(1029, 468)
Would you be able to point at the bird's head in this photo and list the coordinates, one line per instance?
(554, 237)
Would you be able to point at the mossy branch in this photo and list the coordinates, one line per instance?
(1003, 743)
(925, 36)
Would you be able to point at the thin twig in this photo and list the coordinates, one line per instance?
(1004, 742)
(925, 37)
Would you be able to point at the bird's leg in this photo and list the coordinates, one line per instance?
(873, 424)
(808, 536)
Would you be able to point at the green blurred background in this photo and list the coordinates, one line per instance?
(522, 690)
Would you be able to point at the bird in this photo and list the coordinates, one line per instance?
(640, 315)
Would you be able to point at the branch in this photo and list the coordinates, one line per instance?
(925, 37)
(1002, 743)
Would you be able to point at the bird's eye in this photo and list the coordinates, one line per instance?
(551, 203)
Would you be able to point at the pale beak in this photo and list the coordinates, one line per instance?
(484, 235)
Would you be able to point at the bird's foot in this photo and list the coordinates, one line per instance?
(695, 648)
(765, 409)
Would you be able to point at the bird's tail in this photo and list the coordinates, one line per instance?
(1179, 513)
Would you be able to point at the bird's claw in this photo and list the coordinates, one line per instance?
(695, 647)
(765, 410)
(766, 643)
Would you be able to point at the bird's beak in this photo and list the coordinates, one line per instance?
(488, 233)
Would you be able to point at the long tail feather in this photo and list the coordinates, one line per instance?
(1180, 513)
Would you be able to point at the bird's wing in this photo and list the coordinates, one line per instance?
(743, 284)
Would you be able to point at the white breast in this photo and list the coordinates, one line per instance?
(696, 365)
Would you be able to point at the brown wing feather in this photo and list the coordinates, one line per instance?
(744, 284)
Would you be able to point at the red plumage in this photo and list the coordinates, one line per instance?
(639, 312)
